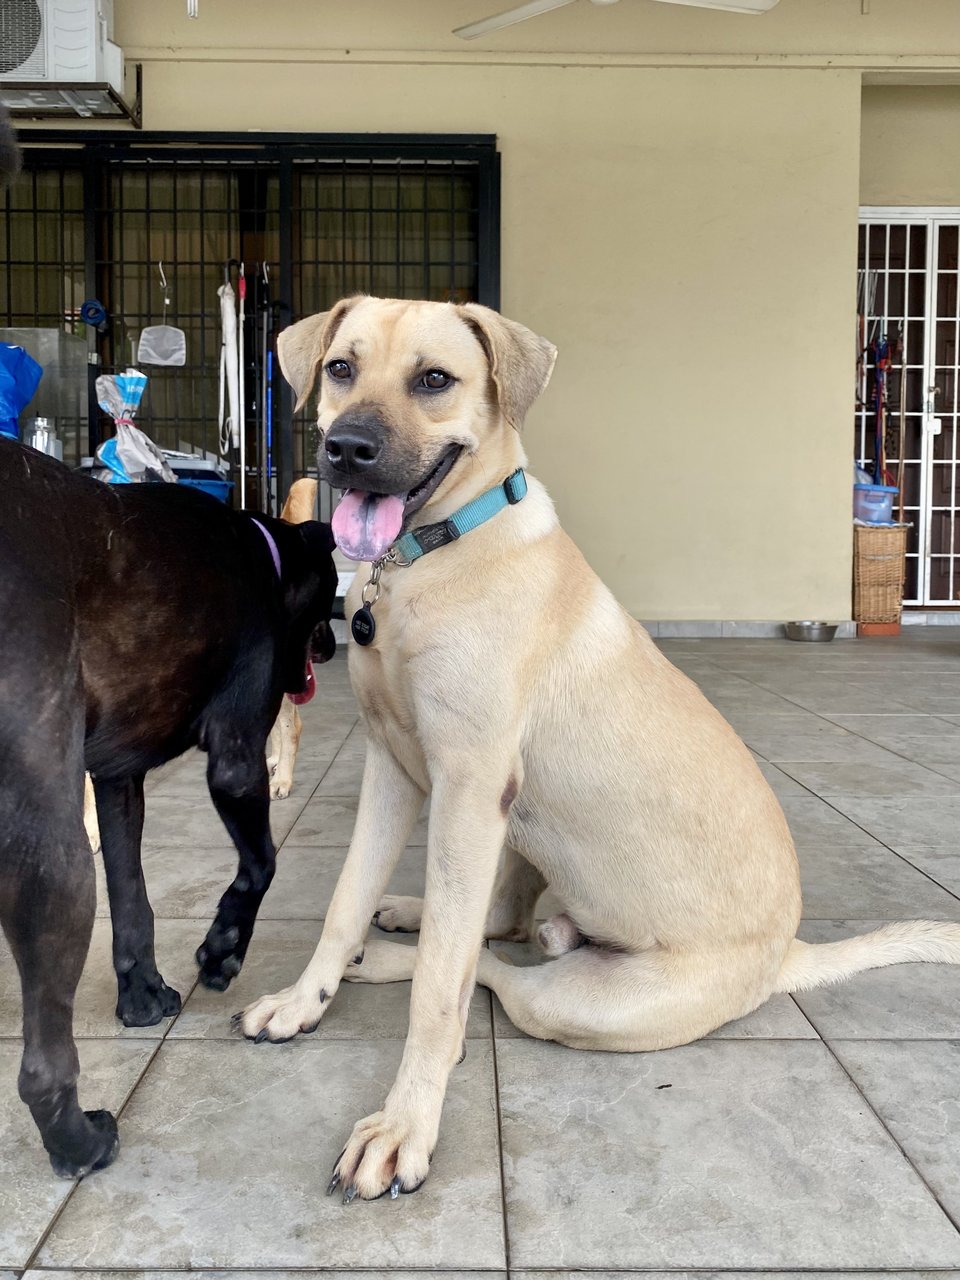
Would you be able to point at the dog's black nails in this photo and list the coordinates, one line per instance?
(350, 1194)
(260, 1036)
(235, 1017)
(395, 1188)
(308, 1031)
(323, 994)
(340, 1157)
(376, 917)
(334, 1183)
(358, 958)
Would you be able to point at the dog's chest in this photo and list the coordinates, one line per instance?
(382, 689)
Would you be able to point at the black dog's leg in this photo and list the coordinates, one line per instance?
(143, 998)
(47, 903)
(239, 787)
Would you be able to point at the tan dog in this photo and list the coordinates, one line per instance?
(557, 743)
(284, 740)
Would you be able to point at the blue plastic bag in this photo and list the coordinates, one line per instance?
(19, 378)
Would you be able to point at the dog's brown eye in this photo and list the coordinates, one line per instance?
(435, 380)
(339, 369)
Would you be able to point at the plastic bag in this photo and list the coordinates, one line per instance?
(162, 344)
(131, 456)
(19, 378)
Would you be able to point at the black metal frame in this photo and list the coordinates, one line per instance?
(93, 151)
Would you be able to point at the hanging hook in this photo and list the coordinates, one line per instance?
(163, 284)
(266, 272)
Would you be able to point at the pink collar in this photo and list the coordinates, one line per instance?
(271, 544)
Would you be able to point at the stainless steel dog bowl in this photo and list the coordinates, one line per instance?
(810, 630)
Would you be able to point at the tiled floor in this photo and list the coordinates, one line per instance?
(821, 1134)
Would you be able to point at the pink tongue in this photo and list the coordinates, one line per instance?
(365, 525)
(298, 699)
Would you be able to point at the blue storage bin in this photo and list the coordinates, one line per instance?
(219, 489)
(873, 503)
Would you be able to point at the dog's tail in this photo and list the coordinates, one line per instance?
(809, 965)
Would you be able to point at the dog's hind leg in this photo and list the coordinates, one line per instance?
(595, 998)
(143, 998)
(47, 901)
(284, 743)
(239, 788)
(510, 916)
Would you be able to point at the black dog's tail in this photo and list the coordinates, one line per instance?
(9, 151)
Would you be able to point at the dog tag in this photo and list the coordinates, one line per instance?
(363, 626)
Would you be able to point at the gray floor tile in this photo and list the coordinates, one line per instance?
(759, 1155)
(776, 746)
(277, 956)
(261, 1274)
(719, 1275)
(915, 1088)
(781, 782)
(815, 822)
(885, 779)
(306, 877)
(96, 999)
(171, 820)
(930, 820)
(867, 882)
(30, 1192)
(888, 730)
(227, 1151)
(329, 820)
(903, 1002)
(939, 864)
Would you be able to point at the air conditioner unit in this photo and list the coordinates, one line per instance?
(57, 58)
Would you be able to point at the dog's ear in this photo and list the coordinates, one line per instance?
(520, 362)
(302, 346)
(318, 537)
(301, 501)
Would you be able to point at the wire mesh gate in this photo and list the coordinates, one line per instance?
(403, 217)
(908, 279)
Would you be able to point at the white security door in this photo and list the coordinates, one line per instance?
(908, 333)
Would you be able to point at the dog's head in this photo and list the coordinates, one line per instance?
(409, 391)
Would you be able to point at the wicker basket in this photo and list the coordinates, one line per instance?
(879, 560)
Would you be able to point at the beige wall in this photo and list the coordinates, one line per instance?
(681, 224)
(911, 146)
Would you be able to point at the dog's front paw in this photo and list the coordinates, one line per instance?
(385, 1153)
(100, 1148)
(280, 786)
(221, 954)
(280, 1017)
(144, 999)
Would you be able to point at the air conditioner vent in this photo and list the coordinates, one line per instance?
(22, 46)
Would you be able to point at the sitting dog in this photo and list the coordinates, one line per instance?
(496, 672)
(136, 621)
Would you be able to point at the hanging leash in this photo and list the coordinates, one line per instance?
(431, 537)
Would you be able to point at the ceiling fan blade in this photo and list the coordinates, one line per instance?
(519, 14)
(730, 6)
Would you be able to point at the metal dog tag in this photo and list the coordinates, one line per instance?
(363, 626)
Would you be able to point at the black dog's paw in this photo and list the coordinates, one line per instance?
(144, 1001)
(220, 956)
(99, 1151)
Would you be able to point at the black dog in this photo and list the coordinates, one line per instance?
(135, 621)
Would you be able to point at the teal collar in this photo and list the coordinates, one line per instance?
(418, 542)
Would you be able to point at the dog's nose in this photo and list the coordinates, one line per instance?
(351, 447)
